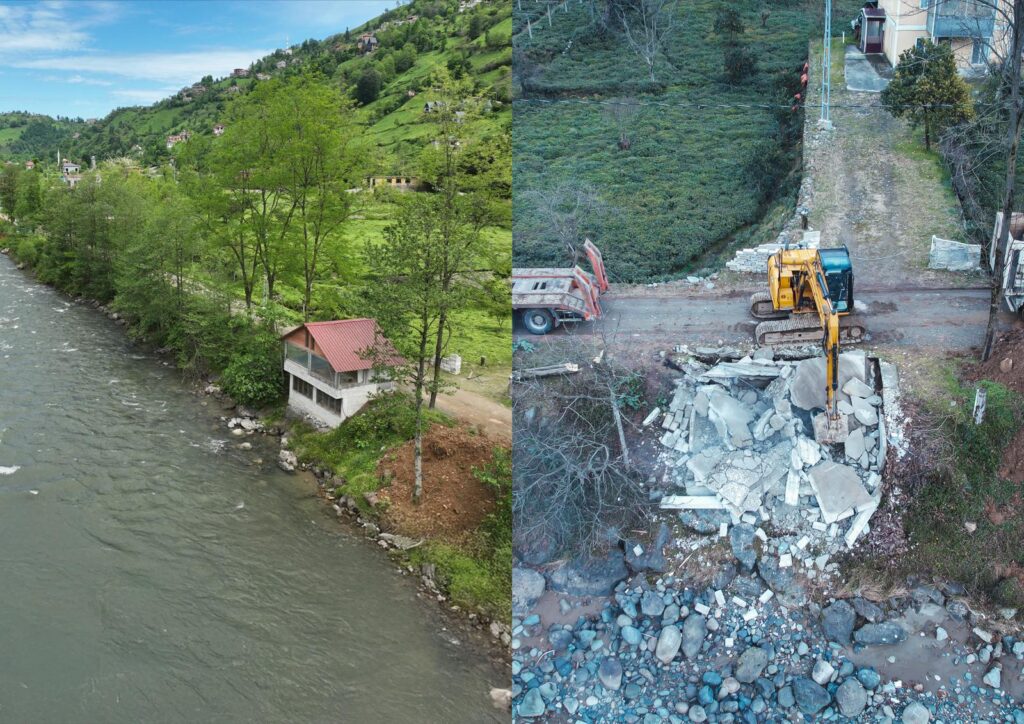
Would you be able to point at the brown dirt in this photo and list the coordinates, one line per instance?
(1008, 346)
(454, 502)
(1006, 366)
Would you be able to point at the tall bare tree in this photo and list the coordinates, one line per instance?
(623, 112)
(646, 25)
(567, 209)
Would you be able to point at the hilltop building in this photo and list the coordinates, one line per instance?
(177, 138)
(367, 43)
(330, 376)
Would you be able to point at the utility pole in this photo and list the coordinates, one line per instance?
(826, 70)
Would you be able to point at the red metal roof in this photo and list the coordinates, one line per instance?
(342, 341)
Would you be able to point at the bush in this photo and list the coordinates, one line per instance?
(253, 376)
(740, 63)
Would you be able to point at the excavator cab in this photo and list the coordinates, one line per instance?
(839, 277)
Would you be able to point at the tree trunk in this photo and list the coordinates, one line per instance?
(927, 133)
(618, 425)
(438, 349)
(1013, 142)
(421, 369)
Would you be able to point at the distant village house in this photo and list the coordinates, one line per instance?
(262, 76)
(327, 368)
(396, 183)
(69, 167)
(218, 130)
(367, 43)
(240, 73)
(281, 64)
(177, 138)
(30, 165)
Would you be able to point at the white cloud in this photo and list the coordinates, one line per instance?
(39, 27)
(171, 68)
(143, 95)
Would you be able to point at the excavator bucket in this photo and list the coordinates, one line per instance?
(830, 430)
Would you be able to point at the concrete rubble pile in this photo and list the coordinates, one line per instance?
(739, 450)
(755, 261)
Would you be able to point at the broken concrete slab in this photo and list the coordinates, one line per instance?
(754, 370)
(807, 389)
(857, 388)
(807, 449)
(855, 444)
(742, 478)
(864, 411)
(704, 463)
(953, 255)
(838, 489)
(692, 502)
(731, 418)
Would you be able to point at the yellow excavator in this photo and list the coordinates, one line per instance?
(809, 298)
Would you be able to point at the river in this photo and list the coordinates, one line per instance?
(152, 571)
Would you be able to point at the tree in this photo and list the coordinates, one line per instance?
(368, 86)
(739, 62)
(1011, 78)
(927, 90)
(476, 26)
(622, 112)
(647, 24)
(462, 211)
(567, 209)
(404, 295)
(728, 21)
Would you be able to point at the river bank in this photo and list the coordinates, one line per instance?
(176, 562)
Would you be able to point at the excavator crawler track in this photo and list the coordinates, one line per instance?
(761, 307)
(805, 329)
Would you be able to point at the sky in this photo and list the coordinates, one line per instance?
(83, 58)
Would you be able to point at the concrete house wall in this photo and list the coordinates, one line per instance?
(353, 389)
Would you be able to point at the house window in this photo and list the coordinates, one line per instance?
(348, 378)
(302, 387)
(978, 52)
(331, 404)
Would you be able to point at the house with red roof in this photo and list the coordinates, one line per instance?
(329, 367)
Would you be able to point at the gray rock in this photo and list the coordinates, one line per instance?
(782, 581)
(837, 622)
(876, 634)
(704, 521)
(868, 610)
(855, 444)
(652, 557)
(993, 678)
(810, 697)
(694, 631)
(610, 673)
(652, 604)
(822, 672)
(668, 644)
(750, 665)
(742, 539)
(786, 698)
(697, 713)
(851, 698)
(532, 705)
(631, 635)
(916, 713)
(596, 576)
(527, 587)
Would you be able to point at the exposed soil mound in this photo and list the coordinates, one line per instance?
(1006, 365)
(454, 502)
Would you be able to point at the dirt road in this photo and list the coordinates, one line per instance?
(933, 318)
(486, 414)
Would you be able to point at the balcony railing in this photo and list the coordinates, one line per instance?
(960, 19)
(320, 368)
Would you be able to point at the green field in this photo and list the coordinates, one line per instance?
(706, 159)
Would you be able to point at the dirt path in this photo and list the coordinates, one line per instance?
(486, 414)
(920, 318)
(876, 190)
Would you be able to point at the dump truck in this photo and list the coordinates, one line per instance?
(1013, 267)
(544, 298)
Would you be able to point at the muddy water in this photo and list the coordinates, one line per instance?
(150, 571)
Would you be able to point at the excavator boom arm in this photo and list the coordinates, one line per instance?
(814, 277)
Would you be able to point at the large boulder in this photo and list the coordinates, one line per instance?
(880, 634)
(851, 698)
(837, 622)
(651, 556)
(742, 539)
(527, 586)
(668, 644)
(694, 631)
(810, 697)
(595, 576)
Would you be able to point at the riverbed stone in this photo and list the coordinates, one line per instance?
(810, 697)
(532, 705)
(741, 537)
(868, 610)
(652, 604)
(851, 698)
(610, 673)
(595, 576)
(651, 556)
(837, 622)
(750, 664)
(694, 631)
(915, 713)
(669, 642)
(886, 633)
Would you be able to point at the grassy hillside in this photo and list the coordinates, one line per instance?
(472, 42)
(706, 157)
(25, 136)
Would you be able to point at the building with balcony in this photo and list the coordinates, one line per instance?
(891, 27)
(329, 370)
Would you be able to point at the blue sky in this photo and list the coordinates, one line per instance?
(87, 57)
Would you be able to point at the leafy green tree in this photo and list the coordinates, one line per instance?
(405, 296)
(739, 62)
(368, 86)
(728, 21)
(927, 90)
(476, 26)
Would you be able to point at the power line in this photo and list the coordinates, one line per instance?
(701, 105)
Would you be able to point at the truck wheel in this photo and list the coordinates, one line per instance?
(538, 321)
